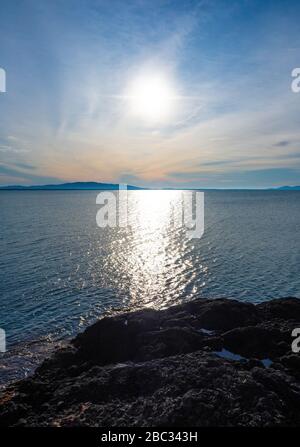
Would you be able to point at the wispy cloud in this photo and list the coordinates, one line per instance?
(16, 150)
(282, 143)
(9, 174)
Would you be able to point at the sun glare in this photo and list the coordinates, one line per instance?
(151, 98)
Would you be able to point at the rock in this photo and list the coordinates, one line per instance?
(158, 368)
(292, 362)
(114, 339)
(283, 308)
(222, 314)
(254, 341)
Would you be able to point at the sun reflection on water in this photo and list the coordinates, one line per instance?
(149, 257)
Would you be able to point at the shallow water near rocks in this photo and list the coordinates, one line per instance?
(224, 353)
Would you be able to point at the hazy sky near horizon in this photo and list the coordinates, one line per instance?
(67, 115)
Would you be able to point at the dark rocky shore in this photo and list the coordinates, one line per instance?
(170, 368)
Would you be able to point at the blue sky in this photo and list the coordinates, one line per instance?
(66, 114)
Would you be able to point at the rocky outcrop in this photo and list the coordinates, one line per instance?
(203, 363)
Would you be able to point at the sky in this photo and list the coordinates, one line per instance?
(153, 93)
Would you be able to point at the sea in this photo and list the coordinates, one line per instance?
(68, 258)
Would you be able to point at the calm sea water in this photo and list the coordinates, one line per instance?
(60, 271)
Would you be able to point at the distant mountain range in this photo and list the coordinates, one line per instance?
(70, 186)
(99, 186)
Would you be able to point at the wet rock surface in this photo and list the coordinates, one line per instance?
(173, 367)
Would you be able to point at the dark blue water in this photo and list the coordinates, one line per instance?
(59, 271)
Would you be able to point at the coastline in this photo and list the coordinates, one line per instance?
(20, 361)
(207, 362)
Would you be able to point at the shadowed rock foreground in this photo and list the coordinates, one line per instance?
(168, 368)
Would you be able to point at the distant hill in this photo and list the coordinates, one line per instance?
(289, 188)
(69, 186)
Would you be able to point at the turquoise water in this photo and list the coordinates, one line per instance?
(60, 271)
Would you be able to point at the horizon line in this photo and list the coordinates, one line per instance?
(68, 186)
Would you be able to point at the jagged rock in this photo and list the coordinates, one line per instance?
(160, 368)
(253, 341)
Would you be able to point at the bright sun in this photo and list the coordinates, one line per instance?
(151, 98)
